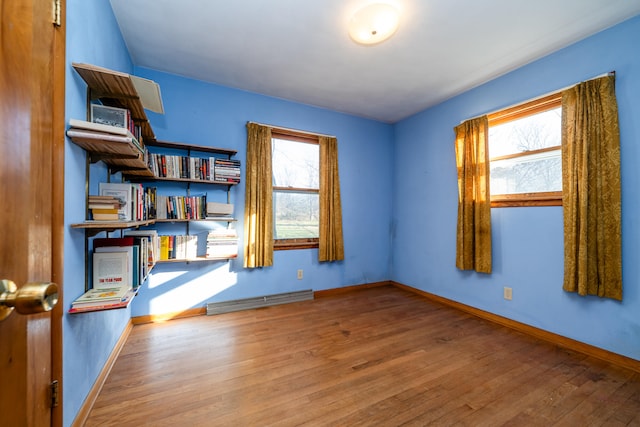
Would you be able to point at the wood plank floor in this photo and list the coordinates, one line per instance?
(373, 357)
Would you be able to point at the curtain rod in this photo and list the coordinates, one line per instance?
(610, 73)
(293, 130)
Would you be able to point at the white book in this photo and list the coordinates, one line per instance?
(111, 270)
(129, 257)
(99, 136)
(98, 127)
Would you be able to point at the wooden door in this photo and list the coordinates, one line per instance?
(31, 197)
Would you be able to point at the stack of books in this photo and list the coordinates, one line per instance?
(138, 202)
(102, 299)
(227, 170)
(100, 131)
(105, 208)
(222, 211)
(222, 243)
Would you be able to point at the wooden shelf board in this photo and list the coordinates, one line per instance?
(213, 219)
(121, 155)
(191, 147)
(198, 259)
(107, 148)
(120, 164)
(191, 181)
(110, 225)
(138, 173)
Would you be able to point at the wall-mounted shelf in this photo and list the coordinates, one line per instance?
(192, 147)
(213, 219)
(120, 155)
(128, 154)
(116, 89)
(111, 225)
(186, 180)
(122, 304)
(197, 259)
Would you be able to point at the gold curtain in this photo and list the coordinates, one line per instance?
(258, 208)
(473, 240)
(331, 246)
(591, 189)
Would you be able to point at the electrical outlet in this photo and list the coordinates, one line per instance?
(508, 293)
(300, 274)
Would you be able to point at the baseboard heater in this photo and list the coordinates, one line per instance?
(258, 302)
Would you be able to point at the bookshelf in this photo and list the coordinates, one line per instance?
(98, 226)
(188, 165)
(129, 155)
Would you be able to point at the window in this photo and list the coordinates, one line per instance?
(296, 182)
(525, 154)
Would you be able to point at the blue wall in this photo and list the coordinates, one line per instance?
(92, 37)
(205, 114)
(527, 242)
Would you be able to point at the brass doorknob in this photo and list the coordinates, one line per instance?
(30, 299)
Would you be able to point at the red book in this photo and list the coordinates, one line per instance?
(112, 241)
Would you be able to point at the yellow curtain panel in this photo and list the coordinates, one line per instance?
(258, 209)
(473, 240)
(591, 189)
(330, 245)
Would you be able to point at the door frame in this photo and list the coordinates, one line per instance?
(57, 184)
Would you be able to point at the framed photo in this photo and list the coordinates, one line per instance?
(111, 116)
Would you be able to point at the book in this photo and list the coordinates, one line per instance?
(105, 214)
(120, 244)
(104, 205)
(112, 241)
(105, 210)
(153, 243)
(97, 127)
(101, 136)
(94, 297)
(111, 270)
(131, 266)
(219, 209)
(164, 248)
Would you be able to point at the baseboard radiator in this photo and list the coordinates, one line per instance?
(258, 302)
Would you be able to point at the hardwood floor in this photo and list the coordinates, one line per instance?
(375, 357)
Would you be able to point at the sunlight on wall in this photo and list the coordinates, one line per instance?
(192, 290)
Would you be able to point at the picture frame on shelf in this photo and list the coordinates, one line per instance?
(112, 116)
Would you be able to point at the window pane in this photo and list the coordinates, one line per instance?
(529, 133)
(295, 164)
(296, 215)
(527, 174)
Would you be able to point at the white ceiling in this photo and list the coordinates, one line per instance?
(300, 50)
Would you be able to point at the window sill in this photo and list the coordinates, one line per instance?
(292, 244)
(552, 198)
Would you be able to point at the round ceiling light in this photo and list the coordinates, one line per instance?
(374, 23)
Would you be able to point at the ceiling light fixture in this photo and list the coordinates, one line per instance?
(374, 23)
